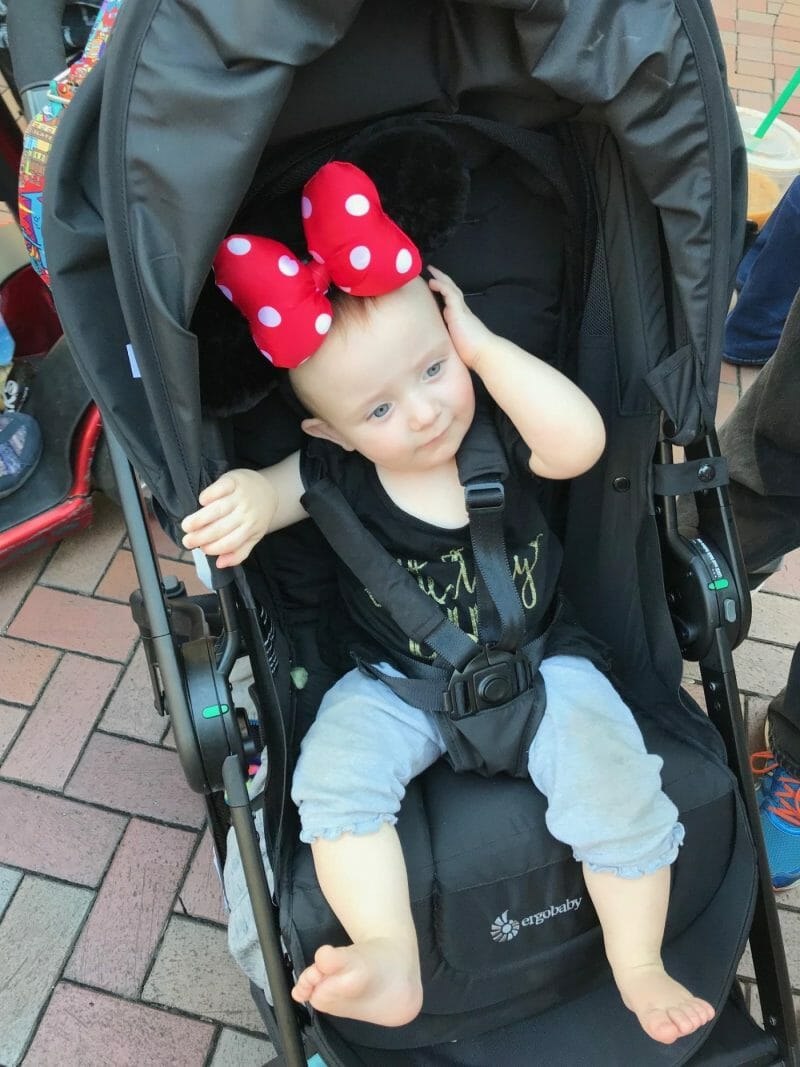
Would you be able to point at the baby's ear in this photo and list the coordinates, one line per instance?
(319, 428)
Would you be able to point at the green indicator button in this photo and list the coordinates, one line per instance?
(214, 710)
(720, 583)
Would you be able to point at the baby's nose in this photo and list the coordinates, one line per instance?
(423, 412)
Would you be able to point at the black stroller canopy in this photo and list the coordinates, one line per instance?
(155, 155)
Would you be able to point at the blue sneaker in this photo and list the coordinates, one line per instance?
(20, 450)
(779, 804)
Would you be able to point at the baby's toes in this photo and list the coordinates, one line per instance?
(697, 1017)
(705, 1011)
(683, 1018)
(660, 1027)
(699, 1011)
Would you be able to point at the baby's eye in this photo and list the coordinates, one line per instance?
(434, 369)
(381, 411)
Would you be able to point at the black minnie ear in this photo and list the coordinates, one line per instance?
(422, 182)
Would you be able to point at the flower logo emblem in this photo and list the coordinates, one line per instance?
(504, 929)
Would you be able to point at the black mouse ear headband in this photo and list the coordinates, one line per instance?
(423, 183)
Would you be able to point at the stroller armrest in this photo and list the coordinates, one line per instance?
(705, 578)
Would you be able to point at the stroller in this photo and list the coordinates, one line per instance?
(605, 222)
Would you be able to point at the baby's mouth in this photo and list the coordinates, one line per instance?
(436, 439)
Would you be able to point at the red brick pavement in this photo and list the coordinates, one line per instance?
(112, 943)
(112, 930)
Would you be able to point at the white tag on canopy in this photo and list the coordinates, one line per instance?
(135, 372)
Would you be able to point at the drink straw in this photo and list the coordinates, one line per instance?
(777, 107)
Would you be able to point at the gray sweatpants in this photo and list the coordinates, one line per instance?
(603, 789)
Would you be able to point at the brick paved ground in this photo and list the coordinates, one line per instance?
(762, 45)
(112, 939)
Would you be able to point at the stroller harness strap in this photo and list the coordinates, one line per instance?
(482, 470)
(488, 699)
(389, 584)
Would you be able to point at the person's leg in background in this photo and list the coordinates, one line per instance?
(778, 768)
(761, 440)
(767, 280)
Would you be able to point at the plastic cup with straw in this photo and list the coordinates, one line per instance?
(773, 154)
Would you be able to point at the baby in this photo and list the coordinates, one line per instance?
(391, 387)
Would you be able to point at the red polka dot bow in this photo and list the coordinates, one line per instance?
(352, 243)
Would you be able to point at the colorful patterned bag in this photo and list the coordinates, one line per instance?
(41, 130)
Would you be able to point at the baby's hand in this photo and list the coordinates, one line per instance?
(467, 332)
(236, 513)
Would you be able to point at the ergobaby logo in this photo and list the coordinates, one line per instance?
(506, 929)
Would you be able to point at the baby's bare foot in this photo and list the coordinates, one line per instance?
(665, 1009)
(374, 981)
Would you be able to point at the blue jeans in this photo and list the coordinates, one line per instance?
(767, 280)
(588, 758)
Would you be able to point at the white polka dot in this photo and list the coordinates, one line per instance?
(360, 257)
(288, 266)
(345, 288)
(403, 261)
(266, 354)
(357, 204)
(323, 323)
(269, 316)
(225, 291)
(239, 246)
(315, 256)
(305, 207)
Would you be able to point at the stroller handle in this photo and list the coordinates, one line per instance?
(36, 45)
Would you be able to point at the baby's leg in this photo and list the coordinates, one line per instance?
(632, 913)
(605, 801)
(358, 757)
(377, 978)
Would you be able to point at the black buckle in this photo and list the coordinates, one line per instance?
(485, 496)
(492, 677)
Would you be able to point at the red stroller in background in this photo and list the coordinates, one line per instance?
(56, 499)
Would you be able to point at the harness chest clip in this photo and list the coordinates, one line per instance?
(491, 678)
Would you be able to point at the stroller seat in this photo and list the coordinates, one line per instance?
(506, 929)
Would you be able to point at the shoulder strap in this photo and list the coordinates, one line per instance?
(482, 470)
(394, 589)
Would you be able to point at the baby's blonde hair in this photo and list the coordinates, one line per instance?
(346, 309)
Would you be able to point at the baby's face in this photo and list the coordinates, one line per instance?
(391, 385)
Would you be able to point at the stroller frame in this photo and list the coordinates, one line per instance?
(190, 676)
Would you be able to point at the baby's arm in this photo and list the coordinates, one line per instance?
(239, 508)
(558, 422)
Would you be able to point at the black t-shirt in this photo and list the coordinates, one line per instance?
(440, 559)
